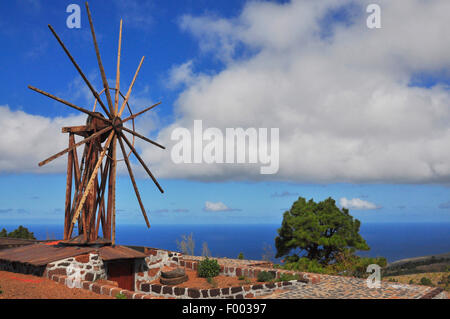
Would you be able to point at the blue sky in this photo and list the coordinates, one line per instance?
(225, 42)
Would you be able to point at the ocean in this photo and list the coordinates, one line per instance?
(392, 240)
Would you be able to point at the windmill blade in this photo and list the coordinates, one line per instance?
(51, 158)
(99, 60)
(131, 87)
(80, 72)
(69, 104)
(142, 162)
(116, 100)
(130, 171)
(93, 176)
(143, 137)
(141, 112)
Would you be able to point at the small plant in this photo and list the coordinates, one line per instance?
(247, 281)
(265, 276)
(186, 245)
(205, 250)
(208, 268)
(411, 282)
(121, 296)
(426, 281)
(288, 277)
(241, 255)
(241, 277)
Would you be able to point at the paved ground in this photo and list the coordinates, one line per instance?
(337, 287)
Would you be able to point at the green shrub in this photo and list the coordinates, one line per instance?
(264, 276)
(288, 277)
(411, 282)
(426, 281)
(208, 268)
(241, 255)
(307, 265)
(241, 277)
(121, 296)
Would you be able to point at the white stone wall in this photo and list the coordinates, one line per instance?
(149, 269)
(89, 267)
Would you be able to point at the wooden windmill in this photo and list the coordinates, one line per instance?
(94, 177)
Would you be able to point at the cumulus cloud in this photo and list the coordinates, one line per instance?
(340, 93)
(28, 139)
(343, 102)
(357, 203)
(217, 207)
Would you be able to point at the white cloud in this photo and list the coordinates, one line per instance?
(180, 74)
(343, 104)
(217, 207)
(28, 139)
(357, 203)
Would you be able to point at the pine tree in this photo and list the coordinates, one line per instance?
(319, 231)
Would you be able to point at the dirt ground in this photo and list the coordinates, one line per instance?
(19, 286)
(219, 281)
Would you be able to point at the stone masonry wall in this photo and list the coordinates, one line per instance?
(149, 269)
(21, 268)
(237, 292)
(90, 267)
(252, 272)
(161, 258)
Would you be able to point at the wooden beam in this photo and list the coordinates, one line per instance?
(68, 188)
(113, 178)
(142, 137)
(141, 112)
(69, 104)
(142, 162)
(94, 175)
(74, 129)
(79, 189)
(51, 158)
(127, 96)
(116, 100)
(130, 171)
(80, 72)
(100, 64)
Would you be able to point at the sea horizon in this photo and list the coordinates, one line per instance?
(392, 240)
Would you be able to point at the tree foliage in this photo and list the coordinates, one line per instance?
(3, 233)
(20, 232)
(318, 231)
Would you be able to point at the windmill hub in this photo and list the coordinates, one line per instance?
(117, 124)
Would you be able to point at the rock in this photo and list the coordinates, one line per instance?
(173, 281)
(178, 272)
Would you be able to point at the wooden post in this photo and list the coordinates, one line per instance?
(113, 178)
(68, 187)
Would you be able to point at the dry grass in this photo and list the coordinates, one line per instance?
(435, 277)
